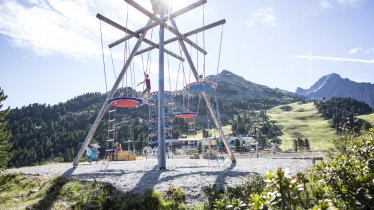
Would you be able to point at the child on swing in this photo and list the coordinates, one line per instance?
(147, 82)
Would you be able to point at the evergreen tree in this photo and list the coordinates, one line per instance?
(307, 145)
(5, 135)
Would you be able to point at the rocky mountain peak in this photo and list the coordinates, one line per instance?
(332, 85)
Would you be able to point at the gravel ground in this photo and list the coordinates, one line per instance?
(190, 175)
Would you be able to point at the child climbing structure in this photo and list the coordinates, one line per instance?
(160, 16)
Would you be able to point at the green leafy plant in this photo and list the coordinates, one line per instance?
(348, 177)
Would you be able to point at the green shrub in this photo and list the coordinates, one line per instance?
(286, 108)
(212, 192)
(348, 177)
(176, 194)
(282, 191)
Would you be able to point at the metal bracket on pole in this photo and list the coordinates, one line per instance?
(205, 96)
(173, 15)
(105, 105)
(171, 29)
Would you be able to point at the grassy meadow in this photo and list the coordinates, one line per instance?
(303, 121)
(368, 117)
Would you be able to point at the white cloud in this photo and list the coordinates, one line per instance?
(330, 4)
(369, 51)
(352, 3)
(326, 4)
(265, 16)
(355, 50)
(337, 59)
(360, 50)
(63, 27)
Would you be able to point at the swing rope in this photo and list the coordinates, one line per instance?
(217, 75)
(114, 69)
(169, 72)
(103, 57)
(219, 54)
(197, 56)
(204, 39)
(149, 57)
(147, 65)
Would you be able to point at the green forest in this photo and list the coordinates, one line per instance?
(343, 112)
(41, 133)
(55, 132)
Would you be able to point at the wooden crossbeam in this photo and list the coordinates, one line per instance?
(207, 27)
(124, 29)
(170, 28)
(173, 15)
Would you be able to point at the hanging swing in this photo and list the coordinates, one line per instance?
(125, 102)
(121, 101)
(168, 95)
(186, 115)
(202, 86)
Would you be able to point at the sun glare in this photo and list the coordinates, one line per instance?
(175, 4)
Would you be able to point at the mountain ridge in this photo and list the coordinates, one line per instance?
(235, 87)
(333, 85)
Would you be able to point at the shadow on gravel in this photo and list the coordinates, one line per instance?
(68, 173)
(100, 174)
(220, 175)
(150, 177)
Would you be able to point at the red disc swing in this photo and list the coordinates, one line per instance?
(125, 102)
(186, 115)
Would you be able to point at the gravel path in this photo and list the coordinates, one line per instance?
(190, 175)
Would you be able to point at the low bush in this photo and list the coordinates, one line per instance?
(344, 182)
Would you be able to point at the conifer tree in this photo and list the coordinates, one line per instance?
(5, 154)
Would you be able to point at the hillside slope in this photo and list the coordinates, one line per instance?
(303, 121)
(367, 117)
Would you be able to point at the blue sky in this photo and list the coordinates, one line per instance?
(50, 50)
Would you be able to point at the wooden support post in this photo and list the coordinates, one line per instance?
(205, 96)
(110, 95)
(126, 30)
(173, 15)
(171, 29)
